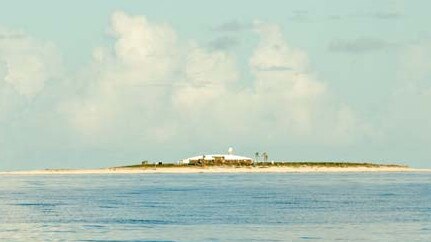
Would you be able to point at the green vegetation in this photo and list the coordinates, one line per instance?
(167, 165)
(270, 164)
(327, 164)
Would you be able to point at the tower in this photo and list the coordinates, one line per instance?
(230, 151)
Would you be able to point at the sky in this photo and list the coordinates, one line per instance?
(87, 84)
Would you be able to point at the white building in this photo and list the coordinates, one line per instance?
(229, 158)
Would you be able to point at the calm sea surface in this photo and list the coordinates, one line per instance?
(217, 207)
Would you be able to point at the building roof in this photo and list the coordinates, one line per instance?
(211, 157)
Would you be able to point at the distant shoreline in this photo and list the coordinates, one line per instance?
(220, 169)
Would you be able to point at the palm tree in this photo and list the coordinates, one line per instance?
(256, 155)
(265, 156)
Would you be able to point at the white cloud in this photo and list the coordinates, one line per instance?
(285, 99)
(150, 85)
(28, 63)
(407, 114)
(205, 67)
(301, 106)
(147, 48)
(207, 77)
(273, 52)
(128, 84)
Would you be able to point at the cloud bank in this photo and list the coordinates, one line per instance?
(149, 88)
(26, 63)
(161, 88)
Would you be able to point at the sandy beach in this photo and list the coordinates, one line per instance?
(183, 170)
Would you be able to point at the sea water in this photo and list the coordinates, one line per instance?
(216, 207)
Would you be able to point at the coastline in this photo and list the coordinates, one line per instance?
(191, 170)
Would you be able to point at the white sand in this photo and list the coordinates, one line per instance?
(216, 170)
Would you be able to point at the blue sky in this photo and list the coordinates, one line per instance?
(102, 83)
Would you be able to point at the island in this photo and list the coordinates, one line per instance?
(261, 167)
(232, 163)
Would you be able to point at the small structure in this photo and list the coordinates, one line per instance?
(218, 159)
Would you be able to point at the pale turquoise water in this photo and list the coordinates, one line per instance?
(217, 207)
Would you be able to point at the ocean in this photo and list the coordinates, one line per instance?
(216, 207)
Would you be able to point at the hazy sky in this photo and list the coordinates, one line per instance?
(102, 83)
